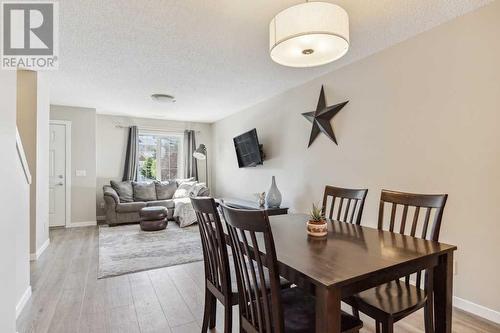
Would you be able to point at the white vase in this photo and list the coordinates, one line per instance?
(273, 197)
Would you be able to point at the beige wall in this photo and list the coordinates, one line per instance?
(83, 157)
(9, 200)
(112, 144)
(27, 125)
(423, 116)
(33, 124)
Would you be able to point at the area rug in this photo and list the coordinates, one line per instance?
(127, 249)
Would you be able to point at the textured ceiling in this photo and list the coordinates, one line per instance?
(212, 55)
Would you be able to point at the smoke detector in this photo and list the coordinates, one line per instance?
(163, 98)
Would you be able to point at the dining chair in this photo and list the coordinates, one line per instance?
(396, 300)
(220, 281)
(268, 309)
(350, 212)
(217, 268)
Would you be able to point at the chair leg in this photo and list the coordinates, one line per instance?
(228, 318)
(429, 315)
(429, 304)
(355, 312)
(207, 311)
(213, 311)
(388, 326)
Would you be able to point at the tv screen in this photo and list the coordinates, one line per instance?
(248, 149)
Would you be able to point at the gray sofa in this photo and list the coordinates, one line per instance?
(125, 199)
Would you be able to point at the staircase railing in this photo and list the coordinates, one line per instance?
(22, 157)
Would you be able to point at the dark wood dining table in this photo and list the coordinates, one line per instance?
(354, 258)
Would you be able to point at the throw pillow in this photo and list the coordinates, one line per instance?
(204, 192)
(183, 180)
(124, 190)
(144, 191)
(183, 190)
(197, 189)
(165, 190)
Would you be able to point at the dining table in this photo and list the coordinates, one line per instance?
(353, 258)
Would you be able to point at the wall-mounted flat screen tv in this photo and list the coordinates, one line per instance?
(248, 149)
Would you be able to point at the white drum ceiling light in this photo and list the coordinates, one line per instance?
(309, 34)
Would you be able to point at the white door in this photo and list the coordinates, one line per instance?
(57, 175)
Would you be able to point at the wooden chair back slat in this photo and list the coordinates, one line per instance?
(353, 206)
(403, 220)
(245, 302)
(419, 278)
(255, 262)
(262, 279)
(415, 222)
(332, 207)
(430, 202)
(340, 208)
(353, 211)
(393, 217)
(253, 283)
(426, 223)
(214, 245)
(346, 211)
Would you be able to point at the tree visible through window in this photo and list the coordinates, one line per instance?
(160, 156)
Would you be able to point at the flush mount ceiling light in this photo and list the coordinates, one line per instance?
(163, 98)
(309, 34)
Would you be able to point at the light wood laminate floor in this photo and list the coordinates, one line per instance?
(67, 297)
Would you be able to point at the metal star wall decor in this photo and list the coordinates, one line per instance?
(321, 118)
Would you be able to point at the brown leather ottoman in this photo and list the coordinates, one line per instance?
(153, 218)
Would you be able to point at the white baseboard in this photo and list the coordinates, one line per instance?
(476, 309)
(39, 251)
(22, 302)
(81, 224)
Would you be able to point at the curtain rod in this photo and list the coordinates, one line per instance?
(155, 129)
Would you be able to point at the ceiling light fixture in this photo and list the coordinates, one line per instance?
(163, 98)
(309, 34)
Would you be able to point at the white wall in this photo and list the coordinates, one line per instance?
(423, 117)
(112, 143)
(9, 201)
(22, 233)
(83, 157)
(42, 159)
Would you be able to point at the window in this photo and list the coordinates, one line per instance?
(160, 156)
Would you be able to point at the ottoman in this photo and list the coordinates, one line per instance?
(153, 218)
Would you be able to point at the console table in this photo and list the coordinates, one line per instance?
(246, 204)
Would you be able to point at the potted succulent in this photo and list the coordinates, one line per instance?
(317, 226)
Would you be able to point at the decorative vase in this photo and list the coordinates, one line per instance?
(273, 197)
(317, 229)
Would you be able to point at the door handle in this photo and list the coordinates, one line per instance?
(60, 176)
(60, 184)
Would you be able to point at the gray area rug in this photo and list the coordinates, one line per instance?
(127, 249)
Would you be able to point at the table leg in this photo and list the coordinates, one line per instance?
(443, 290)
(328, 313)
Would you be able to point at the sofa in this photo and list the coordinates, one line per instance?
(125, 199)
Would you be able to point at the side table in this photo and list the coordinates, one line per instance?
(246, 204)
